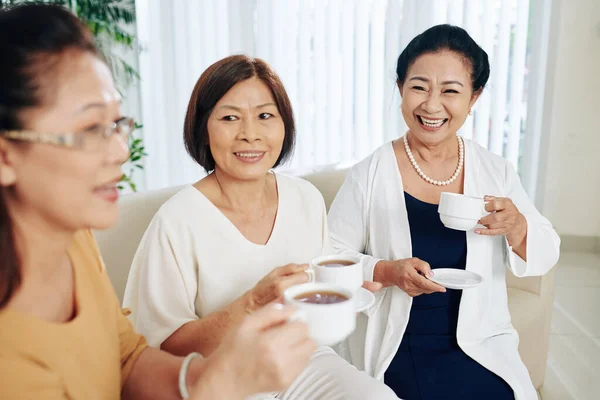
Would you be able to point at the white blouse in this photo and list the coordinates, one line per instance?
(193, 261)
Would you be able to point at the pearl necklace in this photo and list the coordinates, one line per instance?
(461, 159)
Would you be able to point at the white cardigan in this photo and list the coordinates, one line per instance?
(368, 217)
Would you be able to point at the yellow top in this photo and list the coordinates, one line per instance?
(89, 357)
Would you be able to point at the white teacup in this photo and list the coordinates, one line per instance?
(345, 271)
(328, 324)
(461, 212)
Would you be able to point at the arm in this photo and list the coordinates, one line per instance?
(384, 273)
(163, 286)
(531, 243)
(149, 373)
(348, 225)
(541, 245)
(264, 353)
(155, 375)
(350, 234)
(326, 235)
(162, 289)
(205, 335)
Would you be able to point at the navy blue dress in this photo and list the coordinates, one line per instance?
(429, 364)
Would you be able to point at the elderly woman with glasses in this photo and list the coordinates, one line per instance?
(63, 334)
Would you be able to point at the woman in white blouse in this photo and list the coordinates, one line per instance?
(234, 241)
(425, 341)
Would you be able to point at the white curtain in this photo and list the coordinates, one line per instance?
(337, 61)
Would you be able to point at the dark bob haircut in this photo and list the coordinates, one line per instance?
(449, 38)
(212, 85)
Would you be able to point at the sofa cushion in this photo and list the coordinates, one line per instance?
(119, 244)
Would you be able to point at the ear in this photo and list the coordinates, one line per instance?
(474, 98)
(8, 174)
(399, 87)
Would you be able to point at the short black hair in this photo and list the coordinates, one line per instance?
(212, 85)
(450, 38)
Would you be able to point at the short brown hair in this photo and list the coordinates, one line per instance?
(212, 85)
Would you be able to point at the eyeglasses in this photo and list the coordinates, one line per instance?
(93, 139)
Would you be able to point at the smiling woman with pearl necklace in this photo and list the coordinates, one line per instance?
(427, 341)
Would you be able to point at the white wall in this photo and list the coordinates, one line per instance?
(571, 186)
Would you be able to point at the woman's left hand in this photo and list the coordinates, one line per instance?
(505, 219)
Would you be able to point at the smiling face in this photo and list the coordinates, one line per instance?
(246, 131)
(437, 96)
(70, 188)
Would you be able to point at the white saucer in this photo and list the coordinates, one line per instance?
(363, 299)
(455, 278)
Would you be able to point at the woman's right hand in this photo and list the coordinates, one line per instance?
(265, 353)
(408, 274)
(271, 287)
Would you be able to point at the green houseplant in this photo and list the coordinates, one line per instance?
(110, 22)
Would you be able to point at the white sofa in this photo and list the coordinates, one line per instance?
(529, 299)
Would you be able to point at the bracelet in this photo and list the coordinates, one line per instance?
(183, 373)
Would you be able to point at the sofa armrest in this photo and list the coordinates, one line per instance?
(530, 304)
(540, 285)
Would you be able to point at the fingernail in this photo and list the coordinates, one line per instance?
(478, 231)
(430, 274)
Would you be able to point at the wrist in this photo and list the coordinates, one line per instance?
(219, 377)
(247, 303)
(381, 273)
(195, 371)
(516, 238)
(239, 309)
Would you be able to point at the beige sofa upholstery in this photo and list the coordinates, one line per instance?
(529, 299)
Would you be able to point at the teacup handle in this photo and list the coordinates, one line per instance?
(311, 274)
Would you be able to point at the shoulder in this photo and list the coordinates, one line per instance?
(299, 188)
(484, 155)
(84, 250)
(179, 205)
(83, 240)
(183, 209)
(488, 164)
(365, 170)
